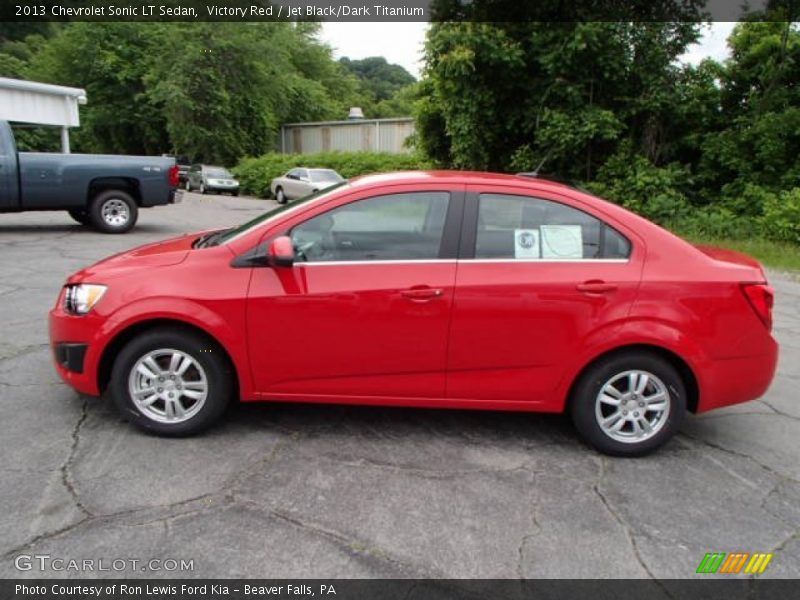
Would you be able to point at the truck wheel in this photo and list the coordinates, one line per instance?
(171, 381)
(81, 216)
(113, 211)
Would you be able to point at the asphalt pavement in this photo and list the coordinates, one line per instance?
(290, 491)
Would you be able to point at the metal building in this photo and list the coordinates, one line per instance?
(354, 135)
(41, 104)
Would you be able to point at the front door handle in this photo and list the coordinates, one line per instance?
(596, 286)
(422, 294)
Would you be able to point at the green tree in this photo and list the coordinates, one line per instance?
(759, 141)
(213, 91)
(379, 78)
(110, 61)
(503, 96)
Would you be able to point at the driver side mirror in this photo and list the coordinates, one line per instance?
(281, 252)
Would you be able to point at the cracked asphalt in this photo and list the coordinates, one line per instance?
(288, 491)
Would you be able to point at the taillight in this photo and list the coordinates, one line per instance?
(174, 179)
(761, 298)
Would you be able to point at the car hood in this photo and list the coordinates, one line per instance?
(158, 254)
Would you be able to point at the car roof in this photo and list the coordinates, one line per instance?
(534, 183)
(463, 177)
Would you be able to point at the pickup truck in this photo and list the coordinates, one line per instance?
(100, 190)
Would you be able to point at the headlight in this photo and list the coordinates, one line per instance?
(81, 298)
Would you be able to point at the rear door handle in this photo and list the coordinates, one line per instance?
(422, 294)
(596, 287)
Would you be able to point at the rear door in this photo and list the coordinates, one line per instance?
(539, 279)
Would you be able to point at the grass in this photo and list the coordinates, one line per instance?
(777, 255)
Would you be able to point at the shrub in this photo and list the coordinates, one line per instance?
(256, 174)
(745, 199)
(781, 216)
(636, 183)
(716, 222)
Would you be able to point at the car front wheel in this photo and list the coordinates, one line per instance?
(280, 196)
(629, 404)
(172, 382)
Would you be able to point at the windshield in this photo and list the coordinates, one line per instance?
(325, 175)
(281, 208)
(219, 173)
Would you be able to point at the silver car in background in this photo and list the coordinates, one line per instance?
(300, 182)
(207, 178)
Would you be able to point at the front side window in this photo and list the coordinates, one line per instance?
(522, 227)
(405, 226)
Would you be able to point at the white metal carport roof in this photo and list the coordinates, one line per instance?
(41, 104)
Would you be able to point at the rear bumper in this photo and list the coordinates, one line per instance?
(174, 196)
(737, 380)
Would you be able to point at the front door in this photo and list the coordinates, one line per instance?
(539, 281)
(364, 312)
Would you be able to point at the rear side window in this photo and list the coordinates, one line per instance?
(391, 227)
(522, 227)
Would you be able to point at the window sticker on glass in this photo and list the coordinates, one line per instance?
(562, 241)
(526, 243)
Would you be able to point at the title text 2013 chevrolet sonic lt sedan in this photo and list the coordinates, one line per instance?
(429, 289)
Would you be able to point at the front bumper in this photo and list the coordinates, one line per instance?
(70, 356)
(77, 343)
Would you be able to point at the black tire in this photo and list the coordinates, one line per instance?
(585, 403)
(80, 216)
(280, 196)
(206, 353)
(202, 189)
(113, 211)
(187, 186)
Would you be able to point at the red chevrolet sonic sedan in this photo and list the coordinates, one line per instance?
(428, 289)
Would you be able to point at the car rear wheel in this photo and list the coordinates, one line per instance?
(629, 404)
(113, 211)
(81, 216)
(171, 382)
(280, 196)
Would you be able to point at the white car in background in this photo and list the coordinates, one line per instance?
(300, 182)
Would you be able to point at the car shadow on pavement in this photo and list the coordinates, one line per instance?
(345, 422)
(402, 423)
